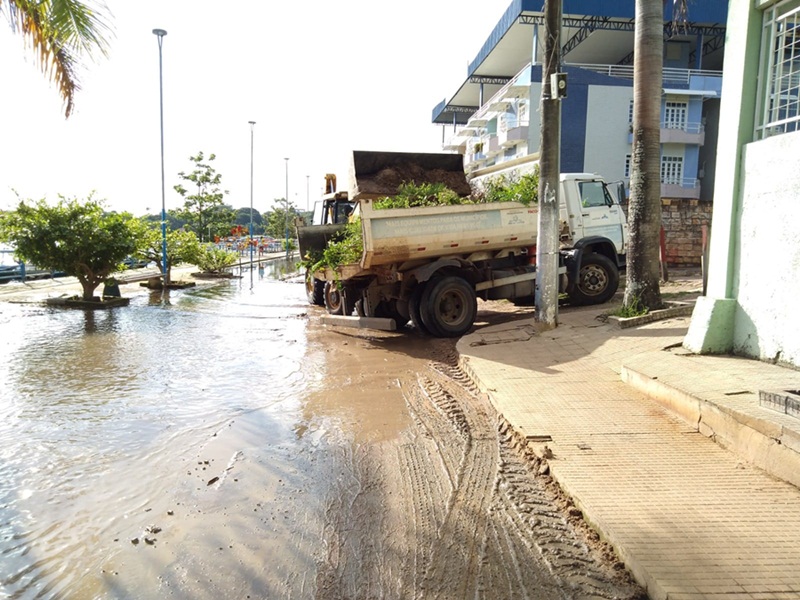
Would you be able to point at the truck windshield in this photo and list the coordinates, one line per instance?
(594, 193)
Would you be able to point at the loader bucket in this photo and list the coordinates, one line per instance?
(379, 174)
(314, 239)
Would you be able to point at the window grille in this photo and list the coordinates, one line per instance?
(780, 112)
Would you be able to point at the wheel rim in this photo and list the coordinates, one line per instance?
(594, 280)
(451, 308)
(333, 299)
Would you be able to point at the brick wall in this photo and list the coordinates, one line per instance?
(683, 220)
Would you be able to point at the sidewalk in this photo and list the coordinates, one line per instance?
(691, 518)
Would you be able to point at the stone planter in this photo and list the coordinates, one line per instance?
(96, 303)
(674, 309)
(221, 275)
(156, 284)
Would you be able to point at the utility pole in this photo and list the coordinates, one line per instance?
(553, 89)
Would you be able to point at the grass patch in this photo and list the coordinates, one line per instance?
(635, 309)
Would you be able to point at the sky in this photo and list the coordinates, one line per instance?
(319, 78)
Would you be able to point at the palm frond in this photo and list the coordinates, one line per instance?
(680, 16)
(58, 32)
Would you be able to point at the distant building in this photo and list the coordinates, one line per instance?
(493, 118)
(754, 265)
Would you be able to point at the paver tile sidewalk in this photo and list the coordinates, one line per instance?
(690, 518)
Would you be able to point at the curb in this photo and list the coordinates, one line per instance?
(676, 309)
(768, 445)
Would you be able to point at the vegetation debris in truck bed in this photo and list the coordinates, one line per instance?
(349, 246)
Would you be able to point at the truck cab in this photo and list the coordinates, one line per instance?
(591, 209)
(332, 209)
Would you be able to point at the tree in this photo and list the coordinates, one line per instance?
(242, 217)
(58, 32)
(204, 210)
(280, 218)
(642, 289)
(182, 247)
(174, 220)
(79, 239)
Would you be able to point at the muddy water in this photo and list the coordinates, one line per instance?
(218, 442)
(115, 421)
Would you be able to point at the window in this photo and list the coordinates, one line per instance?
(594, 193)
(672, 170)
(675, 115)
(780, 69)
(522, 111)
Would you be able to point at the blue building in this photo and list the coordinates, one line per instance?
(493, 118)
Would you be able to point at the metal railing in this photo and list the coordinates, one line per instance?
(668, 75)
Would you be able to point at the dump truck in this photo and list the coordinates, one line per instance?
(430, 264)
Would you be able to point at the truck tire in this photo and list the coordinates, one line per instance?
(315, 290)
(448, 306)
(414, 308)
(598, 281)
(333, 298)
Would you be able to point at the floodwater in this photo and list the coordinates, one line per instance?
(219, 442)
(113, 422)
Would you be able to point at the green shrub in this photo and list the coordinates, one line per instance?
(504, 188)
(346, 249)
(211, 259)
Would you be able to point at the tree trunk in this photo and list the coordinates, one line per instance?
(88, 288)
(644, 211)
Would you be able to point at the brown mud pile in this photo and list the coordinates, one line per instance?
(388, 180)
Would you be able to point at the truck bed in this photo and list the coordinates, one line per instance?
(401, 234)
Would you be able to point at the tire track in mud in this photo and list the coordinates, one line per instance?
(459, 507)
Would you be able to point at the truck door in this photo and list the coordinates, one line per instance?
(601, 215)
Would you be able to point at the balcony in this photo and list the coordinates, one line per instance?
(690, 134)
(693, 134)
(683, 188)
(513, 133)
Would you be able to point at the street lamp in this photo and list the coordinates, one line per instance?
(286, 216)
(307, 178)
(160, 33)
(252, 126)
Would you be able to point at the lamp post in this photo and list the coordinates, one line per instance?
(307, 178)
(160, 33)
(252, 126)
(286, 216)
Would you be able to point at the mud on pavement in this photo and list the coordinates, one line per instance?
(457, 507)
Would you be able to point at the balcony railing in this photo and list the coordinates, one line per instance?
(680, 188)
(668, 75)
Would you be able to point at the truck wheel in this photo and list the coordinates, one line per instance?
(333, 298)
(448, 306)
(315, 290)
(414, 308)
(598, 280)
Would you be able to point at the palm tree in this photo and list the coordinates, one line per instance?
(58, 32)
(644, 213)
(642, 289)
